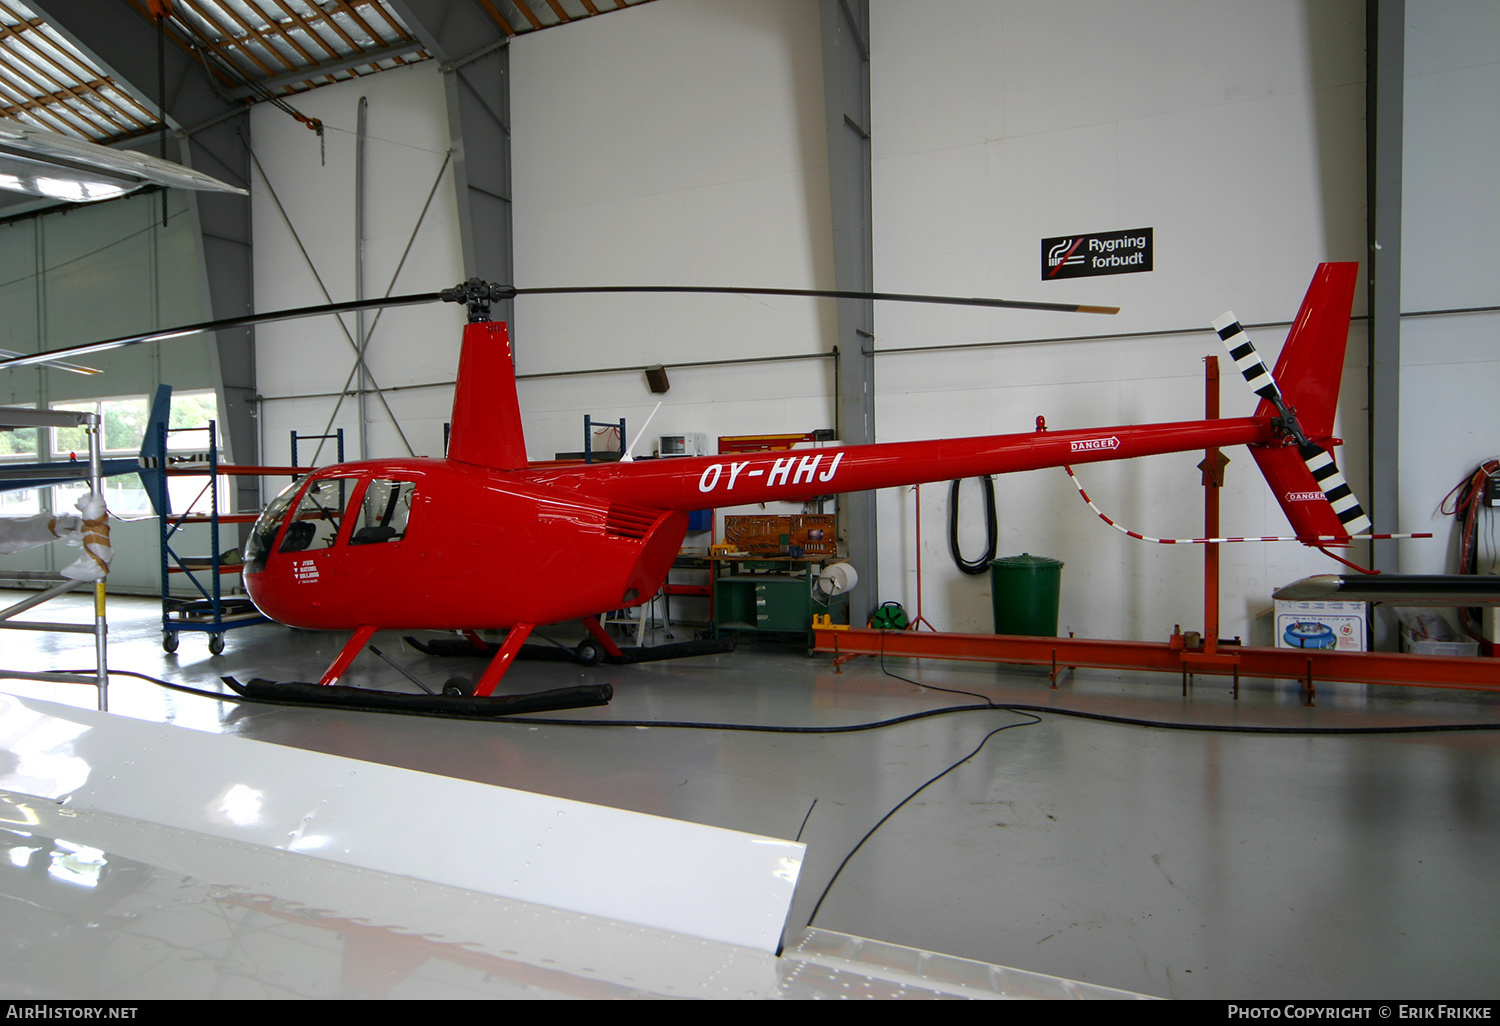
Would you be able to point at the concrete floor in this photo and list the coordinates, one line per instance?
(1178, 863)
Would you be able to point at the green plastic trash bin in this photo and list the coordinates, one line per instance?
(1025, 591)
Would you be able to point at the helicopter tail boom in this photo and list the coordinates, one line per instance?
(705, 482)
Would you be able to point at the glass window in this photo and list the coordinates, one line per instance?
(187, 432)
(72, 442)
(125, 423)
(264, 533)
(18, 445)
(315, 524)
(192, 410)
(384, 512)
(20, 502)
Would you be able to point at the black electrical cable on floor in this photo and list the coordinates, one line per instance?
(899, 805)
(1033, 711)
(992, 536)
(1129, 721)
(229, 696)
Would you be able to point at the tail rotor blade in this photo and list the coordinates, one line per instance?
(1242, 351)
(1335, 488)
(1319, 461)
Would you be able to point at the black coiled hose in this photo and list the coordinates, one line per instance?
(980, 565)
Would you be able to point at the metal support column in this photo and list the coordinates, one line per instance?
(1385, 30)
(846, 99)
(95, 430)
(361, 332)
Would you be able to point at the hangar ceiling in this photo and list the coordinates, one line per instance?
(250, 50)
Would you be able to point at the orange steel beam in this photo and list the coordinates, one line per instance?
(1306, 665)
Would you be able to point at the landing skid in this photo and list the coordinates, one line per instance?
(338, 696)
(455, 690)
(460, 647)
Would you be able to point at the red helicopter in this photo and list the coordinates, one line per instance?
(481, 539)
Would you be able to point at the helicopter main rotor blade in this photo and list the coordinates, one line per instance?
(501, 292)
(219, 325)
(894, 297)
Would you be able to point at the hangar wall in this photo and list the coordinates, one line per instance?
(304, 214)
(998, 125)
(675, 143)
(993, 126)
(1450, 367)
(682, 142)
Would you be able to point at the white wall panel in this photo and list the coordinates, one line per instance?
(682, 142)
(1236, 133)
(406, 147)
(1450, 219)
(679, 143)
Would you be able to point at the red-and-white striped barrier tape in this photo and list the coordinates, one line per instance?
(1320, 539)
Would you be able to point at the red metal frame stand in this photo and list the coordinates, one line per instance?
(1299, 664)
(920, 620)
(1181, 653)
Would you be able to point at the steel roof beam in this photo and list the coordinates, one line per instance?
(355, 60)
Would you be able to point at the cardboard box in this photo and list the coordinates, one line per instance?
(1343, 626)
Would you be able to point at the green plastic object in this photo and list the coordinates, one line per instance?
(1025, 591)
(889, 617)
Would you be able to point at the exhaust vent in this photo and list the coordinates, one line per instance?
(630, 521)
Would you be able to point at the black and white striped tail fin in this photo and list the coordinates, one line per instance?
(1332, 482)
(1242, 351)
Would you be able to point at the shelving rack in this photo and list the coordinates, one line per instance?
(209, 611)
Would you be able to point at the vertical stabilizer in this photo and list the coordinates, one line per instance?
(153, 449)
(486, 412)
(1312, 361)
(1305, 480)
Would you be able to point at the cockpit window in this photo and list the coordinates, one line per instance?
(263, 534)
(384, 513)
(315, 524)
